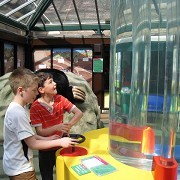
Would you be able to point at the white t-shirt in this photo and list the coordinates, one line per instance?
(16, 128)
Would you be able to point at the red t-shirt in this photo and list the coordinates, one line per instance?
(41, 116)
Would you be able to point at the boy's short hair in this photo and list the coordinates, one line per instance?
(22, 77)
(43, 77)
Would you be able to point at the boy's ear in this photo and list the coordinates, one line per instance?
(20, 89)
(41, 89)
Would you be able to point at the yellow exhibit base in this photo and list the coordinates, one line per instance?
(96, 143)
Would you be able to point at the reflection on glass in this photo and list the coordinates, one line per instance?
(82, 63)
(8, 58)
(144, 82)
(62, 59)
(20, 56)
(19, 10)
(42, 59)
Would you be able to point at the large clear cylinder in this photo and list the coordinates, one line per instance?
(144, 79)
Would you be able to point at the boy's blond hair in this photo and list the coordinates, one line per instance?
(22, 77)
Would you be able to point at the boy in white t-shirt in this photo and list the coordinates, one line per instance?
(19, 138)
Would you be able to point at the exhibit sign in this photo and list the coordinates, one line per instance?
(98, 65)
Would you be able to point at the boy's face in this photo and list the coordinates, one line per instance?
(29, 95)
(49, 87)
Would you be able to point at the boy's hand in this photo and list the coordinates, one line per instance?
(64, 127)
(66, 142)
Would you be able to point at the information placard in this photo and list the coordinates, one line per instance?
(98, 165)
(98, 65)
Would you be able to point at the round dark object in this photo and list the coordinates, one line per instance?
(80, 137)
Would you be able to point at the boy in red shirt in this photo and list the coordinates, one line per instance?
(46, 114)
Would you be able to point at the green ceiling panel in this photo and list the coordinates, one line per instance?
(72, 27)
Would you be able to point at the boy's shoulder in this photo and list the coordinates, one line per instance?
(59, 97)
(14, 104)
(35, 103)
(15, 109)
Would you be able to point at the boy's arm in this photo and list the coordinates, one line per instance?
(77, 116)
(35, 144)
(38, 137)
(63, 127)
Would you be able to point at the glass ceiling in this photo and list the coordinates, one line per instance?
(56, 15)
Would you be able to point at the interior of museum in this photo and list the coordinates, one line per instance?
(124, 54)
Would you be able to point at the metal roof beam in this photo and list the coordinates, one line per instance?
(26, 15)
(4, 2)
(57, 14)
(19, 8)
(72, 27)
(97, 12)
(39, 12)
(74, 3)
(43, 16)
(157, 9)
(10, 22)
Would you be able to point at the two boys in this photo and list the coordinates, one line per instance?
(19, 138)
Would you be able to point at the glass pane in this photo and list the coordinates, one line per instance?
(20, 56)
(8, 58)
(18, 9)
(22, 12)
(104, 10)
(62, 59)
(87, 11)
(66, 11)
(144, 82)
(42, 59)
(82, 63)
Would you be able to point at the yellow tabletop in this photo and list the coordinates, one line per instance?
(97, 144)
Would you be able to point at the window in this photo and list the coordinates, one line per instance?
(8, 58)
(42, 59)
(82, 63)
(20, 56)
(62, 59)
